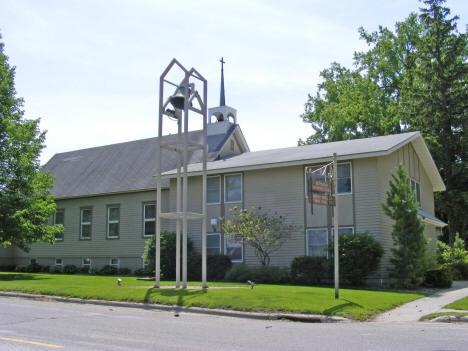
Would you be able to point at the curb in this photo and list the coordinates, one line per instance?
(310, 318)
(450, 319)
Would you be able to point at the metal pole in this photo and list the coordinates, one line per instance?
(178, 204)
(157, 267)
(205, 151)
(185, 189)
(335, 221)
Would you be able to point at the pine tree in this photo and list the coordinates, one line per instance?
(26, 205)
(409, 251)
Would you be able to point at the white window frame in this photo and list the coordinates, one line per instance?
(116, 265)
(148, 219)
(219, 191)
(332, 233)
(86, 223)
(242, 250)
(58, 264)
(56, 224)
(339, 164)
(83, 264)
(415, 189)
(212, 234)
(307, 241)
(114, 221)
(143, 264)
(225, 188)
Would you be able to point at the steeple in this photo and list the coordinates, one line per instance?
(222, 99)
(223, 113)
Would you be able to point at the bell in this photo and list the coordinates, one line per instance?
(177, 100)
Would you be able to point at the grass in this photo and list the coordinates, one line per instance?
(356, 304)
(459, 305)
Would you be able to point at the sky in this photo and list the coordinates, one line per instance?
(90, 69)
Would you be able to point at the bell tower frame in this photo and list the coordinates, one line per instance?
(184, 100)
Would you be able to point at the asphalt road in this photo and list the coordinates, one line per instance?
(40, 325)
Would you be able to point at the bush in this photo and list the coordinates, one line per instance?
(360, 255)
(33, 267)
(168, 254)
(70, 269)
(125, 271)
(107, 270)
(259, 274)
(216, 267)
(20, 269)
(141, 272)
(8, 268)
(83, 270)
(45, 269)
(308, 270)
(454, 257)
(438, 278)
(94, 270)
(55, 269)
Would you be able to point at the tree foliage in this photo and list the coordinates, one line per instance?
(412, 78)
(264, 232)
(409, 251)
(26, 205)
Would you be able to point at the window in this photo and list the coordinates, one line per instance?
(113, 221)
(58, 262)
(86, 262)
(213, 190)
(213, 244)
(344, 178)
(233, 188)
(234, 248)
(342, 230)
(317, 242)
(317, 239)
(149, 219)
(143, 264)
(416, 187)
(86, 218)
(114, 262)
(59, 219)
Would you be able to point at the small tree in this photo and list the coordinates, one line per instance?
(409, 251)
(264, 232)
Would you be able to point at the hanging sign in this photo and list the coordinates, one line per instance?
(322, 199)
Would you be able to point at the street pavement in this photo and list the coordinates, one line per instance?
(413, 311)
(40, 325)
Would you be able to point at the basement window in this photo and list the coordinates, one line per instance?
(114, 262)
(58, 262)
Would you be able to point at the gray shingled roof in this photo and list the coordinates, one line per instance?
(301, 154)
(122, 167)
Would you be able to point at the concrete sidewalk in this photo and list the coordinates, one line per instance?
(413, 311)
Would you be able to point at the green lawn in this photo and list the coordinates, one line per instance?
(459, 305)
(357, 304)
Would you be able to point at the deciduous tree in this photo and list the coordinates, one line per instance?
(26, 205)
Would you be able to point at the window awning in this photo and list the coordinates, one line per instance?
(430, 219)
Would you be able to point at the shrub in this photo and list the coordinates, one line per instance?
(141, 272)
(216, 267)
(308, 270)
(360, 255)
(20, 269)
(238, 273)
(8, 268)
(108, 270)
(70, 269)
(33, 267)
(168, 254)
(125, 271)
(55, 269)
(454, 257)
(45, 269)
(258, 274)
(94, 270)
(83, 270)
(438, 278)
